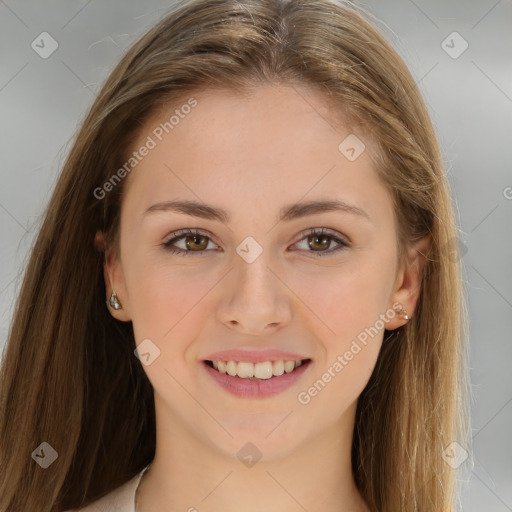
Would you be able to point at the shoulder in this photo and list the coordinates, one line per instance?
(121, 499)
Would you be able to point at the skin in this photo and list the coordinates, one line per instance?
(251, 155)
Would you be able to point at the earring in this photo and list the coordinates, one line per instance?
(403, 312)
(113, 302)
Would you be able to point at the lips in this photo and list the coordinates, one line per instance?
(256, 373)
(255, 356)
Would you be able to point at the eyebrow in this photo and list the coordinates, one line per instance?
(286, 213)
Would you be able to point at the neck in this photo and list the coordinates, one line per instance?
(187, 474)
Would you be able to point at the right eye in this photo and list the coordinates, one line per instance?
(194, 242)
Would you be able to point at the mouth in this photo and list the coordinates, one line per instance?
(256, 380)
(256, 371)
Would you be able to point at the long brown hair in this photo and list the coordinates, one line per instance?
(69, 376)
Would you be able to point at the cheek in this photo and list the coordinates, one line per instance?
(168, 308)
(351, 304)
(352, 301)
(349, 298)
(333, 389)
(164, 301)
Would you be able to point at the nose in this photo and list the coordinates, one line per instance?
(255, 300)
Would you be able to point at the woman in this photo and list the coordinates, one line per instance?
(307, 355)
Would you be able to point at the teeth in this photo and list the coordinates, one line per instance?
(289, 366)
(263, 371)
(245, 370)
(278, 368)
(231, 368)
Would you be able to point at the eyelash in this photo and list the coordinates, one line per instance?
(178, 235)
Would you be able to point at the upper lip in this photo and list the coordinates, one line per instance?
(254, 356)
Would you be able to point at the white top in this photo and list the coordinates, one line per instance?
(121, 499)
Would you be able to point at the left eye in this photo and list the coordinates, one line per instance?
(196, 242)
(321, 239)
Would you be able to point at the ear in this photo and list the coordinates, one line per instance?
(407, 287)
(114, 278)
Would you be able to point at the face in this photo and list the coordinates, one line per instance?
(254, 279)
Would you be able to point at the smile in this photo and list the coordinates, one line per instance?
(256, 371)
(256, 380)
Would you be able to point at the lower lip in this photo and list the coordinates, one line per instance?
(257, 388)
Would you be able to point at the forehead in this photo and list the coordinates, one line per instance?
(271, 144)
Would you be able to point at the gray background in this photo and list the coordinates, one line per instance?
(470, 99)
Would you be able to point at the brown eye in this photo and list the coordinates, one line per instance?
(196, 242)
(191, 241)
(319, 242)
